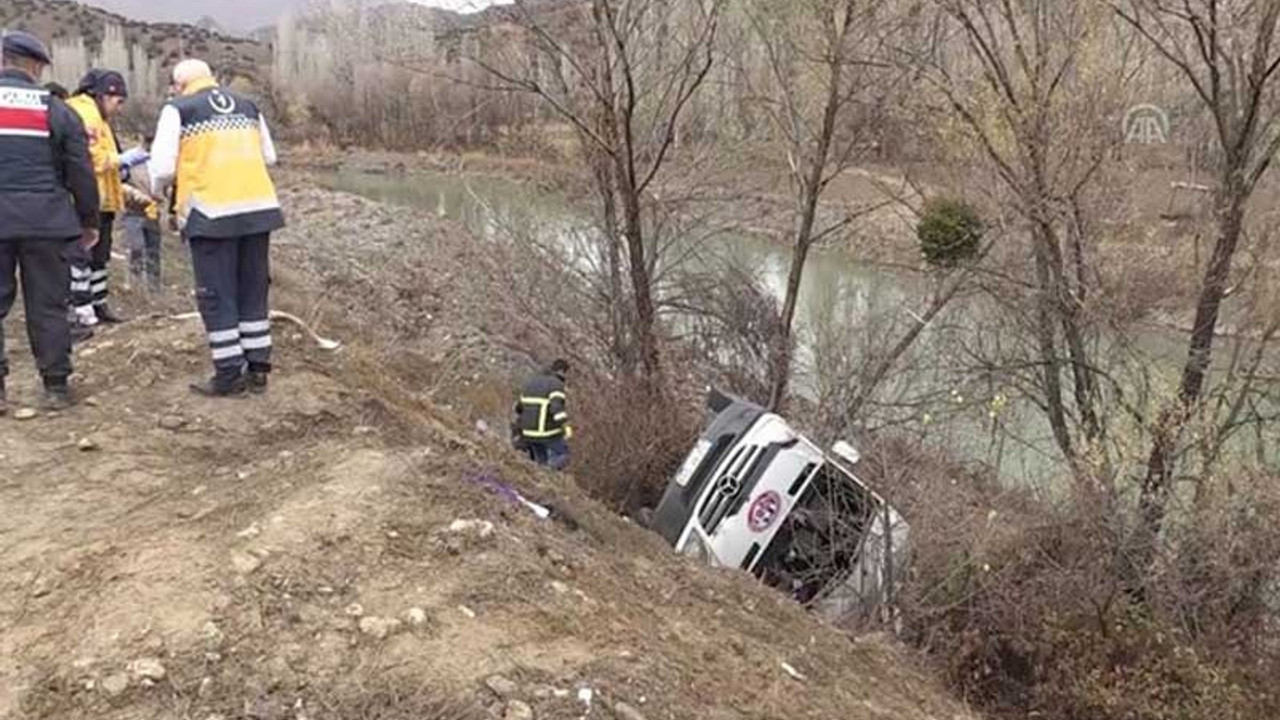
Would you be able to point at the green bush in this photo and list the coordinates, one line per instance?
(950, 232)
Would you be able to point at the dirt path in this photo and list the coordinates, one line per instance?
(301, 555)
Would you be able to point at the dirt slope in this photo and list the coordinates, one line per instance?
(163, 556)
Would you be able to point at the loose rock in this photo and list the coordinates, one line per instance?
(87, 445)
(25, 414)
(481, 528)
(501, 686)
(623, 711)
(147, 669)
(244, 563)
(354, 610)
(115, 685)
(173, 422)
(212, 634)
(517, 710)
(380, 628)
(42, 586)
(416, 616)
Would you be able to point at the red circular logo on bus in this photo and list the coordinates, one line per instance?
(764, 511)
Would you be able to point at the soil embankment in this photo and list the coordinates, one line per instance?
(328, 552)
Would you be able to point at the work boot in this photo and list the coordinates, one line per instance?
(84, 317)
(256, 378)
(57, 395)
(106, 314)
(221, 386)
(4, 401)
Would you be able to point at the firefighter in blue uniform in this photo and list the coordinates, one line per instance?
(542, 426)
(216, 146)
(48, 202)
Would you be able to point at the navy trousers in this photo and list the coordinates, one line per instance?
(552, 454)
(233, 278)
(89, 270)
(43, 268)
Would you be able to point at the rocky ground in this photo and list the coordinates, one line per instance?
(332, 550)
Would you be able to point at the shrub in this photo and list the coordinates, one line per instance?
(1137, 669)
(949, 231)
(1024, 603)
(629, 443)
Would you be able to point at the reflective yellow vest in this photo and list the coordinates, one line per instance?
(541, 412)
(223, 186)
(103, 151)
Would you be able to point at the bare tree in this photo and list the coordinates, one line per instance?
(1013, 75)
(825, 81)
(622, 74)
(1227, 52)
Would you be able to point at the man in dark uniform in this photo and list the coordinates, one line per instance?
(48, 201)
(542, 426)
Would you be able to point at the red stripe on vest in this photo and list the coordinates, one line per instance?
(24, 119)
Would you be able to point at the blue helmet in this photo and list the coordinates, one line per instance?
(26, 45)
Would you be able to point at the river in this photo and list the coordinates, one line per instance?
(839, 293)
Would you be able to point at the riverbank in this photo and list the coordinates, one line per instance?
(1148, 262)
(725, 199)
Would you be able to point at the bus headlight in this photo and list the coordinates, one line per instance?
(695, 547)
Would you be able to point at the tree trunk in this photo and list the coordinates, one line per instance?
(1160, 465)
(645, 320)
(619, 103)
(810, 193)
(1046, 336)
(606, 187)
(783, 350)
(1074, 300)
(642, 289)
(1068, 311)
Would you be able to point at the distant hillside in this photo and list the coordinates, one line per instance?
(61, 23)
(210, 24)
(236, 16)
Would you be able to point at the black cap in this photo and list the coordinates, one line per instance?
(100, 83)
(56, 90)
(559, 367)
(26, 45)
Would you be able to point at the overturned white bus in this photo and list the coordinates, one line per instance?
(754, 494)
